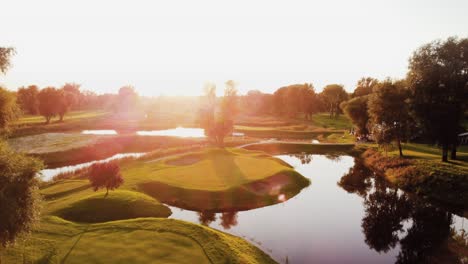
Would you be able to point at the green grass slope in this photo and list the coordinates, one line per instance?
(142, 240)
(216, 179)
(117, 205)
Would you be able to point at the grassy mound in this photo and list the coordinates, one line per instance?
(217, 179)
(292, 147)
(132, 241)
(117, 205)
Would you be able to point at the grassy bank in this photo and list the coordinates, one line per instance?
(421, 173)
(292, 147)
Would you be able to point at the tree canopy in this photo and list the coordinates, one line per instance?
(5, 55)
(333, 95)
(438, 78)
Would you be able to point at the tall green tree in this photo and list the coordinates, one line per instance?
(357, 111)
(333, 95)
(438, 78)
(389, 113)
(364, 86)
(9, 110)
(49, 102)
(27, 99)
(18, 194)
(5, 55)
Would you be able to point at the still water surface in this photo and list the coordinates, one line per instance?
(182, 132)
(345, 216)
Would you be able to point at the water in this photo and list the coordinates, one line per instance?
(99, 132)
(175, 132)
(48, 174)
(346, 215)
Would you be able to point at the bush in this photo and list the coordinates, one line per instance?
(105, 175)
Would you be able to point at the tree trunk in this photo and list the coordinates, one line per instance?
(445, 152)
(47, 120)
(61, 117)
(399, 148)
(107, 192)
(453, 153)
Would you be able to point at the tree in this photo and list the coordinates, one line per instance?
(49, 102)
(9, 110)
(356, 109)
(66, 100)
(364, 86)
(74, 93)
(333, 95)
(438, 78)
(218, 123)
(295, 99)
(105, 175)
(18, 194)
(389, 113)
(5, 55)
(27, 99)
(127, 99)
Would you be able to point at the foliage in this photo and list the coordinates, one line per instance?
(218, 121)
(18, 194)
(5, 54)
(105, 175)
(333, 95)
(356, 109)
(49, 99)
(295, 99)
(364, 87)
(438, 79)
(389, 113)
(127, 100)
(9, 110)
(27, 99)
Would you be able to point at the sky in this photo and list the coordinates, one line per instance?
(174, 47)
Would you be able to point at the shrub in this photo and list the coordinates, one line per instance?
(105, 175)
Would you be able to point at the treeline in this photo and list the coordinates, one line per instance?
(295, 101)
(430, 104)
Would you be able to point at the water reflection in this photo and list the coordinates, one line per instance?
(392, 217)
(348, 215)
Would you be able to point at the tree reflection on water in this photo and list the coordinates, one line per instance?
(392, 217)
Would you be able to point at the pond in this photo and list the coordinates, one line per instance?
(48, 174)
(182, 132)
(347, 215)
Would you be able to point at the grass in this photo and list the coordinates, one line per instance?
(72, 116)
(118, 205)
(215, 179)
(422, 172)
(293, 147)
(142, 240)
(325, 121)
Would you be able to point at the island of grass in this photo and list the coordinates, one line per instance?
(216, 179)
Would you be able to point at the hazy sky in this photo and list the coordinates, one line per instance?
(174, 47)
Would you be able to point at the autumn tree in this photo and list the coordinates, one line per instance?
(105, 175)
(9, 110)
(333, 95)
(389, 113)
(127, 100)
(49, 100)
(438, 79)
(18, 194)
(5, 55)
(27, 99)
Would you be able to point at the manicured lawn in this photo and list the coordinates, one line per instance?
(211, 170)
(325, 121)
(71, 116)
(142, 240)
